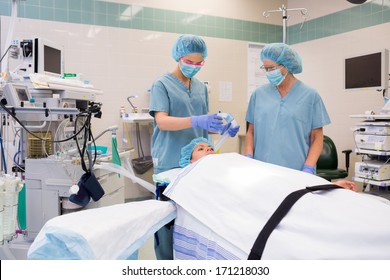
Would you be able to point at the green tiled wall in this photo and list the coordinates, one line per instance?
(360, 16)
(137, 17)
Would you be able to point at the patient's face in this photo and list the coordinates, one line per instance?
(201, 150)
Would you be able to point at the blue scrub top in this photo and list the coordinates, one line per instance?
(282, 126)
(170, 95)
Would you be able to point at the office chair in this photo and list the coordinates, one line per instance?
(327, 164)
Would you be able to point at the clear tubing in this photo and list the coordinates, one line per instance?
(221, 140)
(224, 136)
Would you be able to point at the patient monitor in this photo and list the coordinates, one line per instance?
(17, 95)
(373, 170)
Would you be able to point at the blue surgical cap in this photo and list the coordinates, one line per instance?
(188, 44)
(283, 54)
(187, 150)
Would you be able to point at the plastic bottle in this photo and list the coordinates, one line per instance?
(122, 111)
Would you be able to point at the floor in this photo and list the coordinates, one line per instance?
(146, 252)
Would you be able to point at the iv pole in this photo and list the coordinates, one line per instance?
(284, 11)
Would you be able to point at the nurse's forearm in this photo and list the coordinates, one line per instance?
(173, 123)
(315, 147)
(249, 140)
(312, 157)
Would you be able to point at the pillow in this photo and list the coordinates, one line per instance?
(167, 176)
(118, 231)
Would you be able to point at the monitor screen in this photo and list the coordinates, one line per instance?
(48, 57)
(15, 94)
(363, 71)
(52, 59)
(22, 94)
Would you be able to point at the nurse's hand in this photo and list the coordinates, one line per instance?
(211, 122)
(308, 169)
(231, 130)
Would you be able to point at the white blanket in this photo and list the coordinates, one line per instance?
(224, 201)
(106, 233)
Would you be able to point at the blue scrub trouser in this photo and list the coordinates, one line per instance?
(163, 247)
(163, 238)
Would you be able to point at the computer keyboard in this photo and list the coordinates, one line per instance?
(56, 83)
(46, 79)
(67, 82)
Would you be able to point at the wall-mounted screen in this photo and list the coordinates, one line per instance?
(367, 71)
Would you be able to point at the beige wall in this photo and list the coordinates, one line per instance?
(125, 62)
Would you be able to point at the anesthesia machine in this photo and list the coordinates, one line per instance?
(47, 142)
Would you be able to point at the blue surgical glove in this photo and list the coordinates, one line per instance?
(231, 130)
(211, 122)
(249, 155)
(308, 169)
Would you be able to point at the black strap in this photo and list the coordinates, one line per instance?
(277, 216)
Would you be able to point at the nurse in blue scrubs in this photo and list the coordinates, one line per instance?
(285, 117)
(179, 103)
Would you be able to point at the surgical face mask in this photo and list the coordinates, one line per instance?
(275, 77)
(189, 70)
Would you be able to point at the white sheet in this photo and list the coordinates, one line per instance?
(227, 199)
(106, 233)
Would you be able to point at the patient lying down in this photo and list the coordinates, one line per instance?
(224, 200)
(200, 147)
